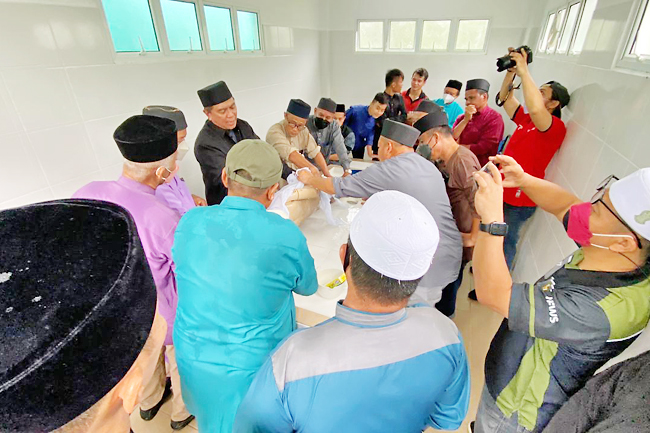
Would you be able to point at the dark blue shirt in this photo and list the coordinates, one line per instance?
(362, 124)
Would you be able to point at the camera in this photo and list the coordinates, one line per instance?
(506, 61)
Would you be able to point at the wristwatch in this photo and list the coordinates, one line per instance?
(348, 171)
(495, 229)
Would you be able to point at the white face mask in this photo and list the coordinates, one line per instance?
(448, 98)
(183, 148)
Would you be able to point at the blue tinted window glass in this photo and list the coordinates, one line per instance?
(131, 25)
(249, 31)
(219, 28)
(182, 25)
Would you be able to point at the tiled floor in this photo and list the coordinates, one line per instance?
(476, 323)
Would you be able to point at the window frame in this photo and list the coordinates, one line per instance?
(542, 33)
(415, 36)
(260, 31)
(565, 17)
(127, 57)
(454, 26)
(199, 22)
(628, 61)
(455, 29)
(419, 32)
(204, 28)
(568, 54)
(164, 50)
(575, 27)
(384, 36)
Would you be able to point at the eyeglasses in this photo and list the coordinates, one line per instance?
(295, 125)
(598, 198)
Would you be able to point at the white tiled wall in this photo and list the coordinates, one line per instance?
(62, 94)
(607, 122)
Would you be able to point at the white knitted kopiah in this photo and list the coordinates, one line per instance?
(631, 199)
(395, 235)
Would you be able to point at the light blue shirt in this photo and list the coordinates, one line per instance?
(453, 110)
(236, 268)
(362, 373)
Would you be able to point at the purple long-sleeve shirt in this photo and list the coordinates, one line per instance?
(176, 195)
(156, 224)
(483, 133)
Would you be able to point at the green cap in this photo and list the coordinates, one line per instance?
(259, 159)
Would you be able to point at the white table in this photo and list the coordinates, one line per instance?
(324, 241)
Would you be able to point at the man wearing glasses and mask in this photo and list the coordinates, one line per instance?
(327, 134)
(293, 141)
(587, 310)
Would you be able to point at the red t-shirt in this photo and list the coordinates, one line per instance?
(411, 104)
(533, 150)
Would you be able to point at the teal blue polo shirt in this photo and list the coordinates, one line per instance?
(237, 267)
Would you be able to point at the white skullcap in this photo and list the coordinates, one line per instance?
(395, 235)
(631, 199)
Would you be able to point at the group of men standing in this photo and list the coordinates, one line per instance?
(225, 274)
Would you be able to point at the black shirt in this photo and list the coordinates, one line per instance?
(614, 401)
(395, 110)
(211, 147)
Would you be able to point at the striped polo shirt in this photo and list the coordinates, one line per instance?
(362, 372)
(560, 330)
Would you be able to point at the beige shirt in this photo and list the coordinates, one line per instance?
(303, 143)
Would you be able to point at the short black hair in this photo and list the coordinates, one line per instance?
(422, 73)
(392, 75)
(443, 130)
(381, 98)
(375, 286)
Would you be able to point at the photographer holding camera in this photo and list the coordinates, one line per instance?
(538, 136)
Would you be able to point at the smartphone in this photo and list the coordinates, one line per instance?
(484, 169)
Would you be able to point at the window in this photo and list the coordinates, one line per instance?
(182, 25)
(543, 43)
(370, 36)
(249, 31)
(131, 25)
(554, 37)
(472, 35)
(435, 35)
(641, 41)
(219, 26)
(402, 36)
(571, 21)
(583, 26)
(636, 52)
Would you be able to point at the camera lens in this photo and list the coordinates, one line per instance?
(504, 63)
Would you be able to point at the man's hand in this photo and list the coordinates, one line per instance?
(334, 157)
(513, 174)
(489, 197)
(521, 59)
(199, 201)
(470, 111)
(306, 176)
(345, 174)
